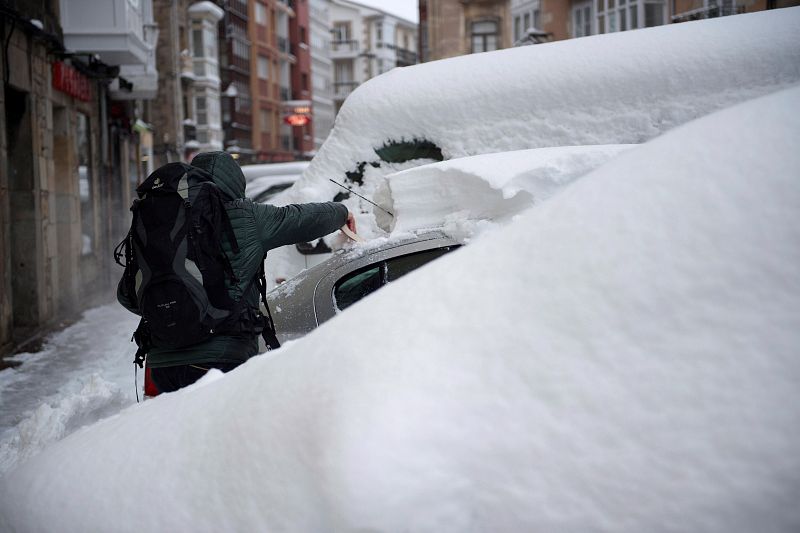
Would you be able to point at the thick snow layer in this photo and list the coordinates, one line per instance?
(615, 88)
(624, 87)
(490, 187)
(621, 358)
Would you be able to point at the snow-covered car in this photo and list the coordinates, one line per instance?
(617, 88)
(319, 293)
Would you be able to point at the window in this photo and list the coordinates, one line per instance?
(582, 19)
(265, 122)
(261, 14)
(527, 22)
(622, 15)
(653, 14)
(197, 43)
(341, 31)
(356, 285)
(484, 36)
(379, 32)
(263, 68)
(517, 28)
(85, 184)
(200, 110)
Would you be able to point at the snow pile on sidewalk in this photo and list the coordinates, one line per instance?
(81, 375)
(621, 358)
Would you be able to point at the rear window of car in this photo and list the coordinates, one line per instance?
(356, 285)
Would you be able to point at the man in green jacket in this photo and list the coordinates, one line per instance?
(258, 228)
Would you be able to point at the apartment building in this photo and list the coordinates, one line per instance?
(456, 27)
(73, 131)
(321, 70)
(234, 57)
(270, 79)
(298, 110)
(579, 18)
(367, 42)
(185, 117)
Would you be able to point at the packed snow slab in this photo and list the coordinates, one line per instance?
(489, 187)
(624, 87)
(621, 358)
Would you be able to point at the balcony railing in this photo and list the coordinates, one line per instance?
(707, 13)
(344, 46)
(341, 89)
(405, 57)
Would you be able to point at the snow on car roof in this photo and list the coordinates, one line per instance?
(624, 87)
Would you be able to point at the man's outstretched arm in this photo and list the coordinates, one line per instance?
(279, 226)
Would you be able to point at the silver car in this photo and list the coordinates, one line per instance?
(316, 295)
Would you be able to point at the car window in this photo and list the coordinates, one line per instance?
(354, 286)
(400, 266)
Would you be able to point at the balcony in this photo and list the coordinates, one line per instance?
(284, 45)
(112, 29)
(405, 57)
(342, 89)
(344, 49)
(142, 79)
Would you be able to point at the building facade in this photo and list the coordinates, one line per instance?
(367, 42)
(580, 18)
(72, 125)
(270, 79)
(298, 111)
(234, 56)
(459, 27)
(323, 110)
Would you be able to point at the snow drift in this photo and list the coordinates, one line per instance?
(621, 358)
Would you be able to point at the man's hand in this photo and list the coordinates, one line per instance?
(349, 228)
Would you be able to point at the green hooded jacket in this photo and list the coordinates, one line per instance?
(258, 229)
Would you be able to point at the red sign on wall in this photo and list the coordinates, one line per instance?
(68, 80)
(297, 120)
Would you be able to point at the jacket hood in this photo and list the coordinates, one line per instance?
(225, 170)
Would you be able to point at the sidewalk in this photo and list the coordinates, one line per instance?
(82, 374)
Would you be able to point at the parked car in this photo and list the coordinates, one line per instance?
(263, 188)
(318, 294)
(252, 172)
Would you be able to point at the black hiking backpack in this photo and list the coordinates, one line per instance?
(175, 267)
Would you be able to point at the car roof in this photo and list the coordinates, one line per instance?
(341, 257)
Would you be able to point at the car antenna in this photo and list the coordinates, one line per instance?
(367, 199)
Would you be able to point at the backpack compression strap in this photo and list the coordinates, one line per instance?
(268, 333)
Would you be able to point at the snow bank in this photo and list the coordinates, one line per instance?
(621, 358)
(82, 374)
